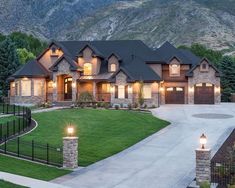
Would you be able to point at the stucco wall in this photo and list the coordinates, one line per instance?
(204, 77)
(113, 60)
(47, 60)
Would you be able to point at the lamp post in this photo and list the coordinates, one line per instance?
(203, 141)
(203, 161)
(70, 148)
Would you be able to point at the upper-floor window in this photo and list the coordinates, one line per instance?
(87, 69)
(204, 67)
(174, 69)
(53, 51)
(113, 67)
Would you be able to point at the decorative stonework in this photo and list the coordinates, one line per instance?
(203, 161)
(70, 152)
(203, 77)
(64, 69)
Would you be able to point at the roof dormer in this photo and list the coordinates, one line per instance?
(113, 62)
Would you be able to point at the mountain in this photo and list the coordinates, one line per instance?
(209, 22)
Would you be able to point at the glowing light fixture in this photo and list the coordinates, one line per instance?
(203, 141)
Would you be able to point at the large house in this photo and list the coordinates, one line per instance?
(115, 72)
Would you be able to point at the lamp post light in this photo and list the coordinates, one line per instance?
(70, 130)
(203, 141)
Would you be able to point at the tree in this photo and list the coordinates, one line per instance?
(25, 55)
(227, 68)
(9, 63)
(141, 94)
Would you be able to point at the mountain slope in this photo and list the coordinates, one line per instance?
(210, 22)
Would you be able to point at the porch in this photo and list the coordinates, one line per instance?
(66, 88)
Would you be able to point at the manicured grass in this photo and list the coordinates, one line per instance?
(5, 184)
(29, 169)
(102, 133)
(6, 119)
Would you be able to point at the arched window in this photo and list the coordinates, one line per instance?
(174, 69)
(113, 67)
(87, 69)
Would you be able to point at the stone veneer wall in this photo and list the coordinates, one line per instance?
(204, 77)
(29, 100)
(121, 80)
(133, 95)
(64, 69)
(70, 152)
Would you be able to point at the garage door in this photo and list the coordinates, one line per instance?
(204, 94)
(174, 95)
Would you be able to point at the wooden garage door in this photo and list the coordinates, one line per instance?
(174, 95)
(204, 94)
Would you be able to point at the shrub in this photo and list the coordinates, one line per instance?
(205, 185)
(153, 106)
(94, 106)
(145, 106)
(135, 105)
(86, 97)
(129, 106)
(106, 105)
(116, 107)
(99, 104)
(121, 105)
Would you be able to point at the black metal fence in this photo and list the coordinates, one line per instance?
(19, 124)
(223, 173)
(35, 151)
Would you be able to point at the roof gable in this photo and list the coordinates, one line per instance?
(96, 52)
(73, 64)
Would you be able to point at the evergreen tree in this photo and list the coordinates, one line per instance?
(25, 55)
(9, 63)
(227, 67)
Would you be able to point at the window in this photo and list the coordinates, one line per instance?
(12, 89)
(113, 67)
(121, 92)
(204, 66)
(87, 69)
(174, 70)
(17, 88)
(38, 88)
(179, 89)
(147, 92)
(170, 89)
(25, 87)
(208, 85)
(199, 85)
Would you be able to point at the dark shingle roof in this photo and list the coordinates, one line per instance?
(133, 54)
(31, 69)
(167, 51)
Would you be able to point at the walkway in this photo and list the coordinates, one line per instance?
(165, 159)
(28, 182)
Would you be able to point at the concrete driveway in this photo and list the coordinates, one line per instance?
(165, 159)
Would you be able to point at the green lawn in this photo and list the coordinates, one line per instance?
(29, 169)
(102, 133)
(6, 119)
(5, 184)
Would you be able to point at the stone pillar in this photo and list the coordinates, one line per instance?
(70, 152)
(203, 165)
(55, 85)
(74, 90)
(94, 87)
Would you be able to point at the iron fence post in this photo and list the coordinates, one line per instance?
(14, 127)
(47, 153)
(7, 129)
(18, 146)
(5, 145)
(1, 131)
(7, 108)
(14, 110)
(32, 150)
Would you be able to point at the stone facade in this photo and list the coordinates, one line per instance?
(121, 80)
(70, 152)
(64, 69)
(203, 161)
(204, 77)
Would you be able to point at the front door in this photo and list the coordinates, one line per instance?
(68, 88)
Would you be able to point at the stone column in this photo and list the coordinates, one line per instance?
(94, 87)
(55, 85)
(74, 90)
(70, 152)
(203, 165)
